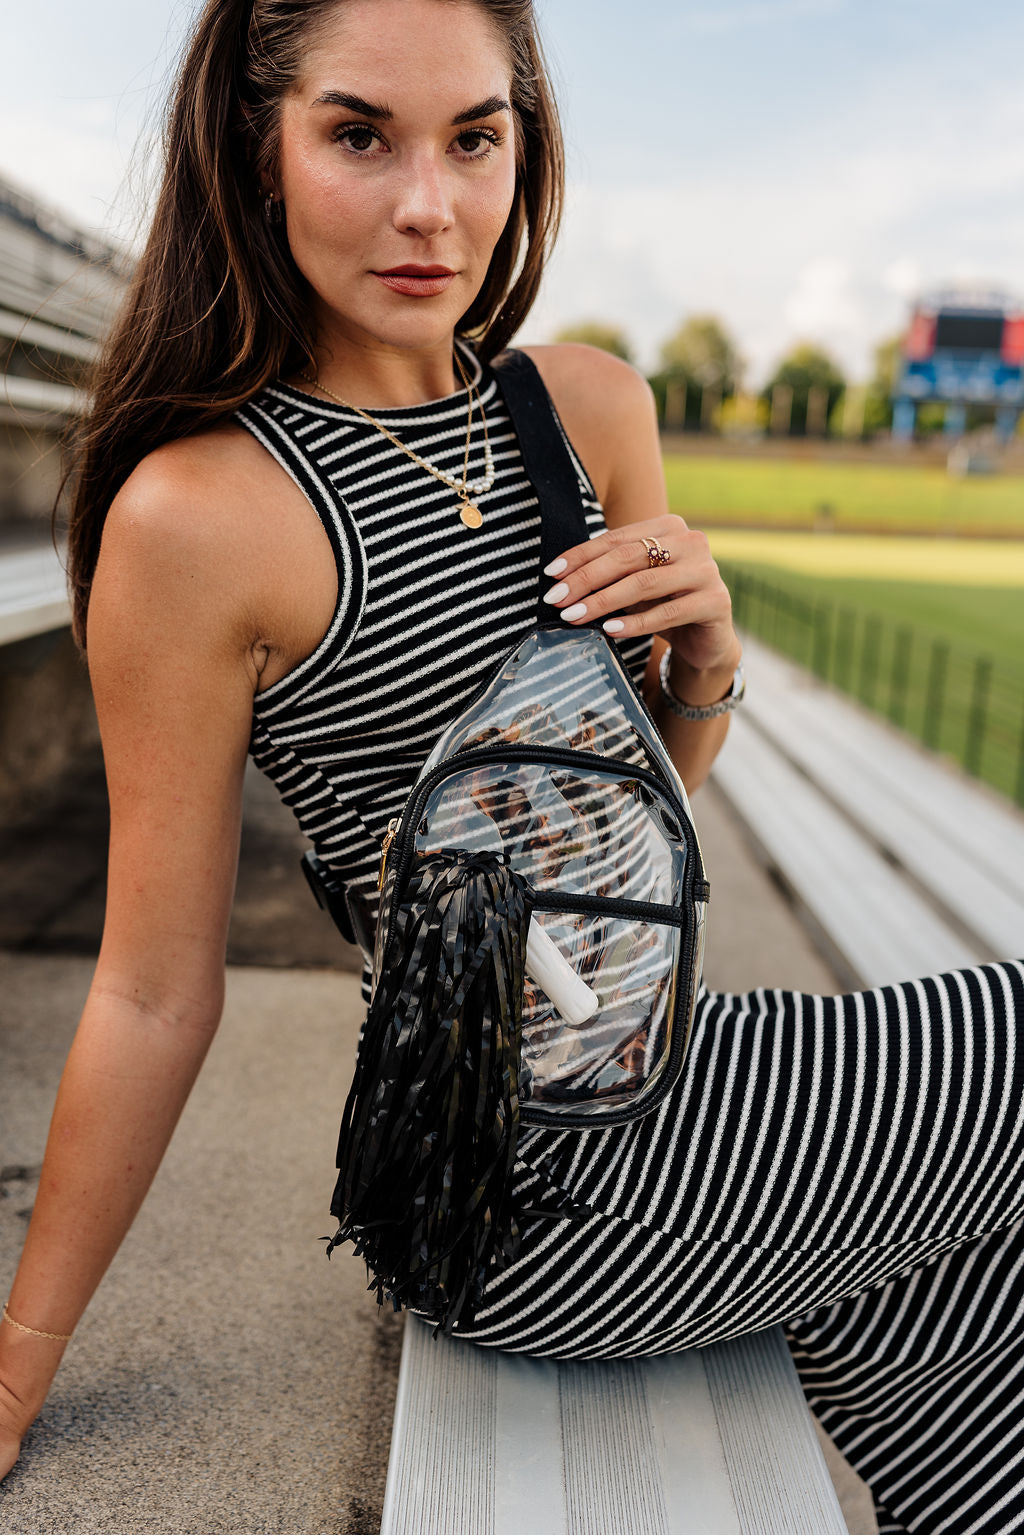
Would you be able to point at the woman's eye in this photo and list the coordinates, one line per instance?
(358, 137)
(476, 143)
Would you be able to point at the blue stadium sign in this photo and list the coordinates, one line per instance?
(963, 351)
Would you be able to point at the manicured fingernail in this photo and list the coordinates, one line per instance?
(612, 625)
(557, 592)
(577, 610)
(556, 567)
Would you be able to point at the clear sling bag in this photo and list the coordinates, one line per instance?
(558, 771)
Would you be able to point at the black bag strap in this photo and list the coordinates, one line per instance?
(548, 465)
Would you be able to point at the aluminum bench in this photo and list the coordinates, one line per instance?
(716, 1441)
(931, 864)
(33, 592)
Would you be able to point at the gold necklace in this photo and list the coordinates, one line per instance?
(469, 513)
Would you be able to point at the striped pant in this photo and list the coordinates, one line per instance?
(848, 1166)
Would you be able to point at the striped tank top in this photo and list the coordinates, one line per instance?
(426, 607)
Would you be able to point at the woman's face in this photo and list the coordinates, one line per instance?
(397, 168)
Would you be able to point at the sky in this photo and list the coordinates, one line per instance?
(800, 168)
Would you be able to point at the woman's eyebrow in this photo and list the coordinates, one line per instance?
(482, 109)
(375, 109)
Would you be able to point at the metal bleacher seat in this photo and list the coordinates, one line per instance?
(905, 865)
(59, 287)
(54, 276)
(33, 592)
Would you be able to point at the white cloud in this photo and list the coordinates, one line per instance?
(823, 304)
(824, 228)
(903, 277)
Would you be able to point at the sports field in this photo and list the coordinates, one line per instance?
(929, 631)
(878, 497)
(969, 591)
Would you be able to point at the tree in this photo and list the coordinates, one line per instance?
(701, 366)
(703, 353)
(610, 338)
(878, 405)
(805, 369)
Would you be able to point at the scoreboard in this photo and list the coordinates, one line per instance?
(963, 351)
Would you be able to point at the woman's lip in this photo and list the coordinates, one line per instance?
(424, 286)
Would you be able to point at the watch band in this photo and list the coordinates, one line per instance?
(700, 711)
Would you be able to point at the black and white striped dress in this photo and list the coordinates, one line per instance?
(850, 1166)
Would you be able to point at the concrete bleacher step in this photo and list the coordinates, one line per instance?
(33, 593)
(715, 1441)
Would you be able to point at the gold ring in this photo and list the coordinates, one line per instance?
(657, 554)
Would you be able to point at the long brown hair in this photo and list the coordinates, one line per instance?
(216, 307)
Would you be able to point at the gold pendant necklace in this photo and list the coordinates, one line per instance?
(469, 513)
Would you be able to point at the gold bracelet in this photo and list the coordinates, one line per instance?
(58, 1337)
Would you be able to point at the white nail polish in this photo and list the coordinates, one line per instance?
(556, 567)
(612, 625)
(577, 610)
(557, 592)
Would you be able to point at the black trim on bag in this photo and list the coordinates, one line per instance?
(606, 906)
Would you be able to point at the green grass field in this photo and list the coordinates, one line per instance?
(968, 592)
(936, 644)
(928, 630)
(789, 493)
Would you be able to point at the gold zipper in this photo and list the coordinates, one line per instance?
(389, 837)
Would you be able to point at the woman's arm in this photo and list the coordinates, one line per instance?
(608, 412)
(173, 677)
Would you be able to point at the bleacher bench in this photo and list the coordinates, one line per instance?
(33, 593)
(716, 1441)
(923, 869)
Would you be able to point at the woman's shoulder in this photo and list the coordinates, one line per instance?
(192, 486)
(588, 372)
(210, 525)
(174, 532)
(605, 405)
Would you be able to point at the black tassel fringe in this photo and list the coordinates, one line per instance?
(431, 1124)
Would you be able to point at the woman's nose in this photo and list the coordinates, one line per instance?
(423, 205)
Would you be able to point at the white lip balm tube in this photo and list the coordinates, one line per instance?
(552, 972)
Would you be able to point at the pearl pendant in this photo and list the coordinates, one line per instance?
(471, 515)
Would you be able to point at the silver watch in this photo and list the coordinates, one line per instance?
(700, 711)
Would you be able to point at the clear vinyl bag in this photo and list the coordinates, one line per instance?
(537, 961)
(559, 771)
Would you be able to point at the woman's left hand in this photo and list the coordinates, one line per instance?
(610, 578)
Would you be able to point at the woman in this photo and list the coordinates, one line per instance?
(351, 186)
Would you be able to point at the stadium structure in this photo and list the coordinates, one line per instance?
(962, 349)
(59, 288)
